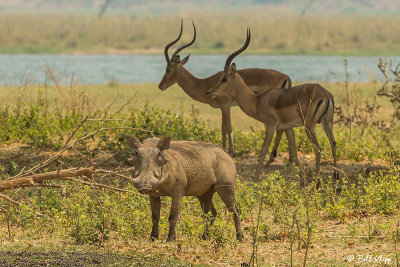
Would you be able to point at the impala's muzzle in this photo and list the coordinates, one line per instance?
(210, 94)
(161, 87)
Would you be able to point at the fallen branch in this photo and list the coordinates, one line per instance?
(31, 180)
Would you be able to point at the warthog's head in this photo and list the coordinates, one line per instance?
(148, 160)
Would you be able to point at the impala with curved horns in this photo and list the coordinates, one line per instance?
(259, 80)
(279, 109)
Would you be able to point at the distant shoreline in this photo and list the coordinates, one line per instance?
(158, 51)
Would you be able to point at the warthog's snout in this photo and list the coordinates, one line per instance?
(145, 190)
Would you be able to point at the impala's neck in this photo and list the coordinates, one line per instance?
(246, 100)
(196, 88)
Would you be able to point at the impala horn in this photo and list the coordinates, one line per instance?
(186, 45)
(237, 52)
(172, 43)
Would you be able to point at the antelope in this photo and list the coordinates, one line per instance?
(279, 109)
(183, 168)
(258, 80)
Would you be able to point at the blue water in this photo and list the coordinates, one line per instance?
(97, 69)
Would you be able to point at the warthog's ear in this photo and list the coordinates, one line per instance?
(133, 142)
(163, 144)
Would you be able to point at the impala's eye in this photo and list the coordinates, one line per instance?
(223, 80)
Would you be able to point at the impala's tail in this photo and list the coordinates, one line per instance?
(287, 83)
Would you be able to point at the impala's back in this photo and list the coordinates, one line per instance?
(260, 80)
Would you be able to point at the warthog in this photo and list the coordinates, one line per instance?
(183, 168)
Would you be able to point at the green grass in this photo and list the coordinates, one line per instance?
(218, 32)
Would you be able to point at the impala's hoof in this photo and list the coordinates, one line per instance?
(336, 175)
(318, 185)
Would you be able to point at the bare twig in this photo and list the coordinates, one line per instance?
(10, 200)
(7, 213)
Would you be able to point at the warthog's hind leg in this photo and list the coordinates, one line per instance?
(207, 206)
(227, 194)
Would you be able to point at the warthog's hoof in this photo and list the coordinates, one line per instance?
(240, 236)
(205, 236)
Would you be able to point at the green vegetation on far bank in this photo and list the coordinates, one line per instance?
(217, 33)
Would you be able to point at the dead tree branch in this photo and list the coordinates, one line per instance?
(32, 180)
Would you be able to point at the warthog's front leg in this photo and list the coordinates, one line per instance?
(173, 215)
(155, 203)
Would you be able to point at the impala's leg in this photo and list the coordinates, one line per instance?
(155, 204)
(174, 214)
(226, 110)
(274, 151)
(207, 206)
(269, 133)
(292, 146)
(310, 130)
(223, 130)
(328, 128)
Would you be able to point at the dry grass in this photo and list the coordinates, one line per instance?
(218, 32)
(176, 99)
(331, 245)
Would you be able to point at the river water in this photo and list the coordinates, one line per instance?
(99, 69)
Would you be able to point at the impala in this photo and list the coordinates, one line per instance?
(279, 109)
(258, 80)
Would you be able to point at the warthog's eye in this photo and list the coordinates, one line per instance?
(135, 157)
(223, 80)
(167, 71)
(161, 159)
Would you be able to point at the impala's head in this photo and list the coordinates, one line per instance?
(229, 77)
(174, 64)
(148, 161)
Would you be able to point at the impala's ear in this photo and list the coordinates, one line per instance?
(233, 70)
(183, 62)
(164, 142)
(176, 58)
(133, 142)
